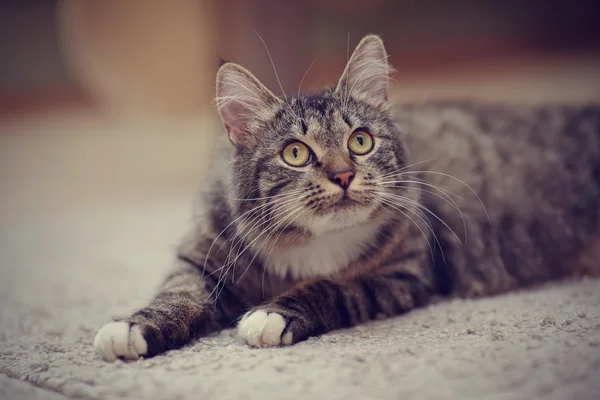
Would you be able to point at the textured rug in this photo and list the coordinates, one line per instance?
(64, 275)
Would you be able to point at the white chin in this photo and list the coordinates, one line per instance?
(338, 219)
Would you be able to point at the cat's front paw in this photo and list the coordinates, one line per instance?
(260, 328)
(120, 340)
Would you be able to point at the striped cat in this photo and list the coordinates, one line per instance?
(333, 209)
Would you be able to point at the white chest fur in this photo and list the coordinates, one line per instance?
(321, 255)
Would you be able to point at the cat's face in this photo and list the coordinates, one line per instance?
(313, 162)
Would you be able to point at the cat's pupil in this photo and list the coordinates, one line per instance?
(360, 139)
(295, 151)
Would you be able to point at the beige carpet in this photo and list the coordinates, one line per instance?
(64, 276)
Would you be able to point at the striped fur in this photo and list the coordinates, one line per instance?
(456, 199)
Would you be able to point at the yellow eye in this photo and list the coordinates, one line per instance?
(296, 154)
(361, 143)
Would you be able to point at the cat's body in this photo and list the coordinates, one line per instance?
(459, 199)
(536, 170)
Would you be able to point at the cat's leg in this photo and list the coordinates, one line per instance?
(183, 309)
(319, 306)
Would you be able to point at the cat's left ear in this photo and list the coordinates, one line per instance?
(242, 101)
(367, 73)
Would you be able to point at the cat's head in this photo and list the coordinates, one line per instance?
(311, 162)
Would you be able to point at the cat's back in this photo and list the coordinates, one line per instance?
(527, 179)
(513, 128)
(505, 147)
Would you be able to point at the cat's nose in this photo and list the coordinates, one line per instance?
(342, 178)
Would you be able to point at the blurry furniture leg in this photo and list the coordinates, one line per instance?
(141, 55)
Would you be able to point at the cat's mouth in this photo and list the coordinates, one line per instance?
(344, 203)
(341, 211)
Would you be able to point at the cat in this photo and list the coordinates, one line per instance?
(332, 209)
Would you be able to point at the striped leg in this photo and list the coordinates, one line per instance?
(183, 309)
(320, 306)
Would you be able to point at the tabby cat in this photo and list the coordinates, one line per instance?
(332, 209)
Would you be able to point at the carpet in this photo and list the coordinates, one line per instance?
(63, 276)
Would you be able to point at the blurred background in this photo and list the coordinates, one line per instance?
(109, 101)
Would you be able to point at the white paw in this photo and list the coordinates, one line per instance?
(118, 339)
(260, 329)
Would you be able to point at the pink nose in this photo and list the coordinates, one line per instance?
(342, 178)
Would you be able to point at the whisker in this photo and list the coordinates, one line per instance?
(278, 206)
(422, 181)
(243, 215)
(348, 49)
(273, 65)
(405, 167)
(277, 75)
(271, 229)
(237, 230)
(238, 240)
(281, 232)
(223, 231)
(295, 191)
(304, 77)
(345, 97)
(228, 265)
(265, 241)
(395, 206)
(416, 211)
(260, 221)
(417, 204)
(273, 247)
(224, 270)
(393, 184)
(448, 200)
(464, 183)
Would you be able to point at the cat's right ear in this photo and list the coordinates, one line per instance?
(367, 73)
(242, 100)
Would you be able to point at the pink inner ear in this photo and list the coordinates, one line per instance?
(231, 135)
(241, 100)
(237, 134)
(234, 116)
(367, 73)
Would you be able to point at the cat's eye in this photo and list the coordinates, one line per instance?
(296, 154)
(361, 143)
